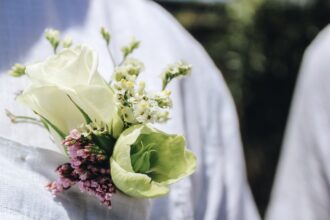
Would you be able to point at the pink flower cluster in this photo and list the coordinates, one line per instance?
(88, 168)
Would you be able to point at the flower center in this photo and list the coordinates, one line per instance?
(143, 157)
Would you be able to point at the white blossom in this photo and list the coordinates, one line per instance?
(17, 70)
(67, 42)
(174, 71)
(53, 36)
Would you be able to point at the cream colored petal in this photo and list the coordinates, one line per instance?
(99, 104)
(54, 105)
(117, 126)
(70, 67)
(136, 184)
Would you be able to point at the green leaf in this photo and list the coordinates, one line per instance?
(45, 124)
(58, 131)
(85, 115)
(104, 141)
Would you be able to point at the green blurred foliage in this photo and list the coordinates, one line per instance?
(258, 46)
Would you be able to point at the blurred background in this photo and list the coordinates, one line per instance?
(258, 45)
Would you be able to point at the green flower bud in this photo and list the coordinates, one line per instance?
(53, 37)
(67, 42)
(145, 161)
(127, 50)
(174, 71)
(17, 70)
(105, 34)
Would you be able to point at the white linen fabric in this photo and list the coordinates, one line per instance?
(302, 186)
(26, 170)
(203, 110)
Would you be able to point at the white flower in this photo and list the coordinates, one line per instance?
(128, 115)
(105, 34)
(135, 66)
(127, 50)
(142, 107)
(67, 42)
(138, 105)
(163, 98)
(129, 70)
(65, 81)
(142, 86)
(53, 36)
(163, 116)
(17, 70)
(127, 85)
(71, 67)
(174, 71)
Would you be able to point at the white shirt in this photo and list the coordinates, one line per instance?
(203, 108)
(302, 187)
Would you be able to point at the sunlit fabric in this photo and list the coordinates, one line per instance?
(203, 111)
(202, 1)
(301, 189)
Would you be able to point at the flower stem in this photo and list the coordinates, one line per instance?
(112, 60)
(23, 119)
(111, 57)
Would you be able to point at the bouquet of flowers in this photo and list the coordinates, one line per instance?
(105, 127)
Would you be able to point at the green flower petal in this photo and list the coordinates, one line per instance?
(136, 184)
(145, 160)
